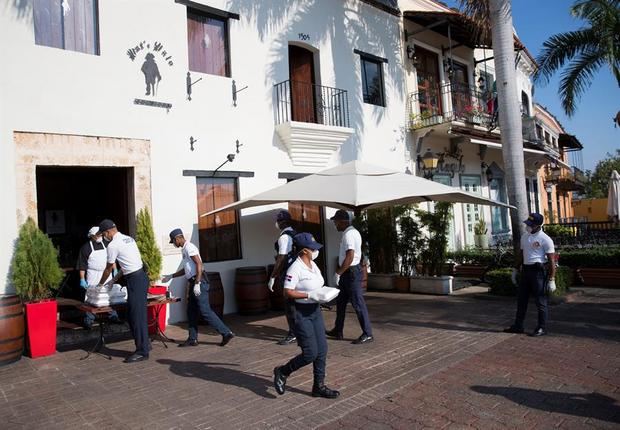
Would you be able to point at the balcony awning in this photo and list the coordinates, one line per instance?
(461, 27)
(569, 141)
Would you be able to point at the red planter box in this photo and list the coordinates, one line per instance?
(41, 327)
(152, 311)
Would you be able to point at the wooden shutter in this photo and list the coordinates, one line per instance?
(218, 234)
(207, 39)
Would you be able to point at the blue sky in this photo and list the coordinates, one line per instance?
(535, 21)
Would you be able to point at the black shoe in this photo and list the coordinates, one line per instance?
(287, 340)
(189, 342)
(226, 338)
(363, 339)
(538, 332)
(323, 391)
(333, 333)
(135, 357)
(513, 329)
(279, 380)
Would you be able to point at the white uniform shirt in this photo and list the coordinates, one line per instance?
(300, 277)
(189, 250)
(124, 250)
(536, 247)
(351, 239)
(285, 242)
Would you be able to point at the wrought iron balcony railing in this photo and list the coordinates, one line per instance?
(310, 103)
(566, 179)
(450, 102)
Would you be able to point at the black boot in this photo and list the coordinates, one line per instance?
(279, 379)
(322, 391)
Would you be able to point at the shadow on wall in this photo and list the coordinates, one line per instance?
(21, 8)
(591, 405)
(344, 30)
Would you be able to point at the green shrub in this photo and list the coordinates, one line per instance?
(599, 257)
(555, 230)
(35, 269)
(481, 257)
(500, 281)
(145, 239)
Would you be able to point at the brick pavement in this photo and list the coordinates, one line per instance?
(427, 350)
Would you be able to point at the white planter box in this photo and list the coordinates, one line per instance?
(431, 284)
(381, 281)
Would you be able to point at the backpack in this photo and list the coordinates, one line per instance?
(292, 255)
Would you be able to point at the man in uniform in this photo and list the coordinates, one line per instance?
(124, 250)
(198, 291)
(537, 249)
(284, 259)
(91, 264)
(348, 277)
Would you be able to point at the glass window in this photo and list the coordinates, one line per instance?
(218, 234)
(372, 81)
(207, 40)
(499, 215)
(67, 24)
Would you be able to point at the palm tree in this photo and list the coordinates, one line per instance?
(588, 50)
(495, 17)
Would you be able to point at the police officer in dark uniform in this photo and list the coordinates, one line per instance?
(124, 251)
(302, 283)
(537, 251)
(284, 259)
(348, 277)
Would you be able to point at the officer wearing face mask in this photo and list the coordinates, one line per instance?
(537, 265)
(91, 264)
(302, 283)
(284, 259)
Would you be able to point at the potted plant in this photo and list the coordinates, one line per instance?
(35, 272)
(480, 234)
(473, 114)
(381, 248)
(152, 259)
(434, 255)
(408, 242)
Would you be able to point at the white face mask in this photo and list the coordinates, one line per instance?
(99, 239)
(528, 229)
(277, 225)
(315, 254)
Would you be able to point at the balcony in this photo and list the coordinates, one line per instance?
(450, 103)
(566, 179)
(312, 121)
(532, 138)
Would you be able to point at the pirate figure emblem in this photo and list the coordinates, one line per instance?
(151, 74)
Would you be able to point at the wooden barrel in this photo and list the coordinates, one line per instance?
(216, 293)
(11, 329)
(277, 297)
(251, 290)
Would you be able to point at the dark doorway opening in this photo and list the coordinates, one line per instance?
(71, 200)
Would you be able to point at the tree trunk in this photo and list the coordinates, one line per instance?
(509, 114)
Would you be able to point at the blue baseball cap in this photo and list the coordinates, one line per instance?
(174, 233)
(306, 240)
(534, 220)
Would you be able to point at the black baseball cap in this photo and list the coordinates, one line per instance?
(341, 214)
(174, 233)
(105, 225)
(283, 215)
(534, 220)
(306, 240)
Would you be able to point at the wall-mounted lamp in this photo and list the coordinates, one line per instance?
(412, 55)
(488, 173)
(428, 163)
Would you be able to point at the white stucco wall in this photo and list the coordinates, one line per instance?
(50, 90)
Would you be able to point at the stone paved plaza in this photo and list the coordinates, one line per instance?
(437, 362)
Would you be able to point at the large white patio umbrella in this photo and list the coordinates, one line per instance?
(613, 196)
(357, 186)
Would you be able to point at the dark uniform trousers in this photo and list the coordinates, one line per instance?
(351, 290)
(533, 282)
(310, 331)
(137, 285)
(200, 306)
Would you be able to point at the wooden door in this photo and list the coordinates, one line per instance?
(461, 97)
(429, 95)
(309, 219)
(301, 69)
